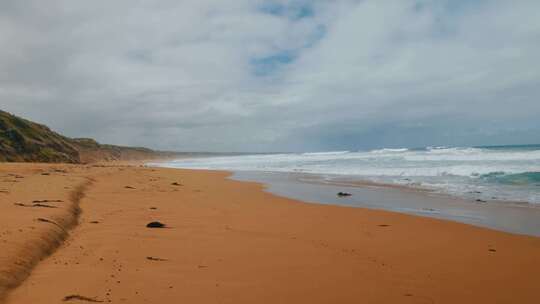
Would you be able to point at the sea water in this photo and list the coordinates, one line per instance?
(501, 173)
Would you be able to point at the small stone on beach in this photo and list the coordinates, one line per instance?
(155, 225)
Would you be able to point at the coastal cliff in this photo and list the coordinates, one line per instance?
(22, 140)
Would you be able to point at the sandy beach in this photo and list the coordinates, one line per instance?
(77, 233)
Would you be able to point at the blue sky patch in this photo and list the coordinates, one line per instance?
(293, 11)
(266, 65)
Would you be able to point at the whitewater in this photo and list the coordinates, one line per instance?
(498, 173)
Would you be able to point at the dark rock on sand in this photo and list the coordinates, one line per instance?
(155, 225)
(343, 194)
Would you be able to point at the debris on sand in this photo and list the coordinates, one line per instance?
(34, 205)
(43, 206)
(343, 194)
(176, 184)
(47, 201)
(44, 220)
(155, 225)
(129, 187)
(383, 225)
(155, 259)
(81, 298)
(153, 208)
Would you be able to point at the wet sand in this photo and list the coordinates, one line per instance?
(230, 242)
(514, 217)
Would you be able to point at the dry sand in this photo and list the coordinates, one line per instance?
(231, 242)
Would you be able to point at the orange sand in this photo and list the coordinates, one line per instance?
(230, 242)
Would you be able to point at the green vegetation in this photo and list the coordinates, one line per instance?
(24, 141)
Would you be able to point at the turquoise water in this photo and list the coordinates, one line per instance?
(527, 178)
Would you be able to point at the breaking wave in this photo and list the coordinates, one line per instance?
(505, 173)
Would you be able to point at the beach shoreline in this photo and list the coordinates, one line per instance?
(496, 174)
(231, 242)
(508, 216)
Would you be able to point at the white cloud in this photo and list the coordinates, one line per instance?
(183, 75)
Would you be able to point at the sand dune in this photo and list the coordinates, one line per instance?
(230, 242)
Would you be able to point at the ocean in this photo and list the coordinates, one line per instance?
(494, 173)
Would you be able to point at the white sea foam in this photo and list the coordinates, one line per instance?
(325, 153)
(448, 169)
(388, 150)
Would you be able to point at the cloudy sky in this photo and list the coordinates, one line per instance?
(275, 75)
